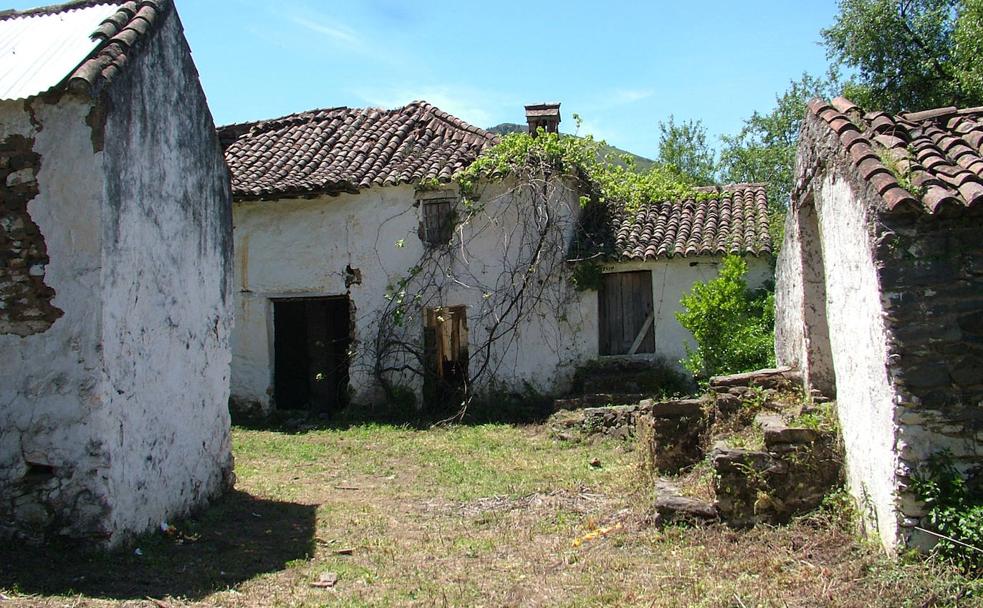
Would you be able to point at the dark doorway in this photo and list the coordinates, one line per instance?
(626, 319)
(311, 338)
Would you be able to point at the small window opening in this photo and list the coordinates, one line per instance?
(438, 221)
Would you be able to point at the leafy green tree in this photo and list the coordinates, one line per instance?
(905, 54)
(733, 327)
(683, 149)
(765, 147)
(969, 50)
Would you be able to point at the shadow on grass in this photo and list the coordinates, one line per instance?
(302, 421)
(236, 539)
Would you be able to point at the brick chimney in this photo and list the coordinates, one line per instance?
(545, 115)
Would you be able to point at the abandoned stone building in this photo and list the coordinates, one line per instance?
(362, 275)
(880, 293)
(115, 275)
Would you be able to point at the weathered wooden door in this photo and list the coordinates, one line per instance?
(446, 350)
(625, 313)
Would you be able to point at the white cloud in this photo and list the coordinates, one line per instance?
(341, 34)
(626, 96)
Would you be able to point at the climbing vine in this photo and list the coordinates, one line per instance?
(507, 261)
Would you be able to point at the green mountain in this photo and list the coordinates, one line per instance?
(611, 152)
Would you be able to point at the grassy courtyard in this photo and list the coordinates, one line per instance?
(490, 515)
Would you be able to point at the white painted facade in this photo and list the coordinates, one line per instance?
(302, 247)
(114, 419)
(864, 392)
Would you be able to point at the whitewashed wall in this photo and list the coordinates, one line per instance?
(125, 395)
(301, 248)
(866, 395)
(166, 288)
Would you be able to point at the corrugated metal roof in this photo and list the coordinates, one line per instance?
(38, 51)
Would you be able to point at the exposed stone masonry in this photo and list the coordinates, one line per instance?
(788, 474)
(25, 301)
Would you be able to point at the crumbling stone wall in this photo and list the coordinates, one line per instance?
(931, 272)
(114, 418)
(53, 424)
(25, 301)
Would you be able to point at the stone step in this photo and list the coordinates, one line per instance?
(682, 509)
(596, 400)
(778, 378)
(627, 375)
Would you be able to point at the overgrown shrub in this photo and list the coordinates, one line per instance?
(734, 327)
(953, 511)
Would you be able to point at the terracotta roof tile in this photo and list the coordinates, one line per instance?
(346, 150)
(941, 151)
(733, 220)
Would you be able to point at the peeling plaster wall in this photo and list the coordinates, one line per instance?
(790, 329)
(858, 348)
(301, 248)
(115, 417)
(53, 411)
(166, 289)
(864, 389)
(903, 300)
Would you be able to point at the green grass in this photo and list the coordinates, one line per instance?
(491, 515)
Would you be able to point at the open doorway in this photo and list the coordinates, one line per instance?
(445, 343)
(818, 367)
(311, 340)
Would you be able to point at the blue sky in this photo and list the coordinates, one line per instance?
(623, 66)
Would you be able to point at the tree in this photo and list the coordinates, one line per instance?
(969, 50)
(733, 327)
(683, 149)
(764, 149)
(905, 52)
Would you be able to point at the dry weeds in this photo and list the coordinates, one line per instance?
(467, 516)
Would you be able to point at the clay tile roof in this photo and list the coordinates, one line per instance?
(921, 160)
(733, 220)
(346, 150)
(118, 38)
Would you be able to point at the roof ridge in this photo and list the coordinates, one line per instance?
(733, 186)
(121, 35)
(427, 107)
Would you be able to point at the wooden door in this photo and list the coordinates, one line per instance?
(625, 313)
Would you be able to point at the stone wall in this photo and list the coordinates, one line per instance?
(25, 301)
(53, 421)
(932, 275)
